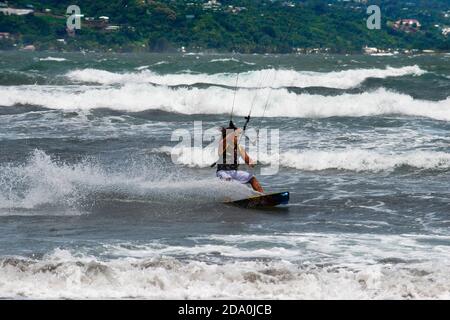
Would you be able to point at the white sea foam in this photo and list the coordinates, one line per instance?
(289, 266)
(358, 160)
(382, 54)
(232, 60)
(216, 100)
(53, 59)
(41, 181)
(225, 60)
(263, 78)
(362, 160)
(45, 182)
(141, 68)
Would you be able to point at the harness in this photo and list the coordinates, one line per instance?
(224, 165)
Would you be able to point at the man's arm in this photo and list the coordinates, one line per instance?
(220, 148)
(245, 156)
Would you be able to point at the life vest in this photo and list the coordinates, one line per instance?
(224, 165)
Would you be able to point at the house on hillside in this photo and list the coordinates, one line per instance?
(446, 31)
(112, 28)
(5, 35)
(29, 48)
(212, 5)
(99, 23)
(407, 25)
(370, 50)
(288, 4)
(15, 12)
(235, 10)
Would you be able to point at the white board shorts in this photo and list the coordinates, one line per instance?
(237, 175)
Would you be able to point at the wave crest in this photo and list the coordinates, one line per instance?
(285, 266)
(56, 59)
(215, 100)
(265, 78)
(357, 160)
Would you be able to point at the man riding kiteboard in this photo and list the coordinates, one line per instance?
(228, 165)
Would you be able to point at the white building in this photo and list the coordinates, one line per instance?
(5, 35)
(16, 12)
(446, 31)
(212, 5)
(112, 28)
(370, 50)
(29, 48)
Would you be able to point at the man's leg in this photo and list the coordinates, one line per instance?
(255, 185)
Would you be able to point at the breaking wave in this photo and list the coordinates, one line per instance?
(288, 266)
(225, 60)
(357, 160)
(363, 160)
(140, 68)
(231, 60)
(53, 59)
(216, 100)
(262, 78)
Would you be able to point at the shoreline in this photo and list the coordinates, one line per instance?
(216, 53)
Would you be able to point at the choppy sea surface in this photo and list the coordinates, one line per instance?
(92, 205)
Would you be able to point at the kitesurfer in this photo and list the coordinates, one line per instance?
(229, 151)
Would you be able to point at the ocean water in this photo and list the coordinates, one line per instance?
(92, 205)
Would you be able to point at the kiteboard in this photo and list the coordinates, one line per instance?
(263, 201)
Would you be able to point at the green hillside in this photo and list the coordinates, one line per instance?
(234, 25)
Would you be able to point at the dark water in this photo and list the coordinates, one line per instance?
(92, 205)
